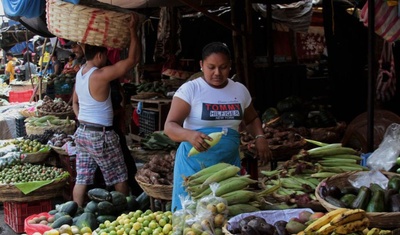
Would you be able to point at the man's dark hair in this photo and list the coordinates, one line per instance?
(91, 51)
(9, 54)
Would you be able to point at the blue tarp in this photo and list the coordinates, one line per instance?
(20, 47)
(27, 8)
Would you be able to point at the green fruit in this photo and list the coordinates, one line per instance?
(398, 161)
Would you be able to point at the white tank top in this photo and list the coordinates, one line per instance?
(91, 110)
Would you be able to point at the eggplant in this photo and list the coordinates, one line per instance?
(280, 228)
(248, 230)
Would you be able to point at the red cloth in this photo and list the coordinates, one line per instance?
(114, 55)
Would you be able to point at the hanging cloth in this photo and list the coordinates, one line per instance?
(386, 80)
(27, 8)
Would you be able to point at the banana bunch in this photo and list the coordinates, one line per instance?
(339, 221)
(235, 189)
(377, 231)
(300, 176)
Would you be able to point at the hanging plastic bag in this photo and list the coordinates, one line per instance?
(384, 157)
(180, 216)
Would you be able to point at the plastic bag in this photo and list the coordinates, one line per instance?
(384, 157)
(32, 228)
(212, 211)
(366, 178)
(180, 216)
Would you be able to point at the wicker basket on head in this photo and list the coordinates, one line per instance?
(377, 219)
(89, 22)
(156, 191)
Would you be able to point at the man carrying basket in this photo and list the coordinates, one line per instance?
(97, 143)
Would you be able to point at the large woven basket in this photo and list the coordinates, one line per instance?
(38, 130)
(156, 191)
(89, 22)
(35, 157)
(10, 193)
(377, 219)
(63, 115)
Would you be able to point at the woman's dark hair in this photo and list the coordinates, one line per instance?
(215, 47)
(91, 51)
(72, 55)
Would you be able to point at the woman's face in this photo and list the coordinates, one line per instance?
(216, 69)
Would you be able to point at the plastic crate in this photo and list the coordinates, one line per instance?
(20, 96)
(148, 122)
(15, 213)
(20, 126)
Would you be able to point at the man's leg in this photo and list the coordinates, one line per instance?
(79, 194)
(122, 187)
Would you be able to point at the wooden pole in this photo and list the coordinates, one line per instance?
(236, 41)
(371, 75)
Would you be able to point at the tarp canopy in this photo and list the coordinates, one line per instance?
(14, 34)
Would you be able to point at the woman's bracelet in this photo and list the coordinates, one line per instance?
(260, 136)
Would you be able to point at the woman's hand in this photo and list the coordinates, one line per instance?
(197, 139)
(262, 150)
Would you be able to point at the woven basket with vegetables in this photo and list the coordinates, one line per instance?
(38, 125)
(156, 176)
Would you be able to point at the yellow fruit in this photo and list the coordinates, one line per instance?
(86, 230)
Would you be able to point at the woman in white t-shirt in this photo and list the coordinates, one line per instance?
(209, 104)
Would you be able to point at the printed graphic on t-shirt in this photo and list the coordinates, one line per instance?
(231, 111)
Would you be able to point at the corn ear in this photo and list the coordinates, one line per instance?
(239, 197)
(241, 208)
(209, 170)
(216, 136)
(222, 175)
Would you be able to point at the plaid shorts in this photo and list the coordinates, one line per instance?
(99, 149)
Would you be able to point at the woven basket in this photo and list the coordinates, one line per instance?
(377, 219)
(163, 192)
(59, 150)
(63, 115)
(89, 22)
(10, 193)
(35, 157)
(38, 130)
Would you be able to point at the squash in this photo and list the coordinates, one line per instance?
(99, 195)
(132, 204)
(69, 207)
(269, 114)
(87, 220)
(105, 208)
(66, 219)
(91, 207)
(292, 119)
(119, 201)
(102, 218)
(291, 103)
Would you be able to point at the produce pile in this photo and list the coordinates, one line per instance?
(159, 170)
(107, 212)
(298, 178)
(47, 121)
(237, 191)
(59, 138)
(371, 199)
(54, 106)
(28, 172)
(156, 86)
